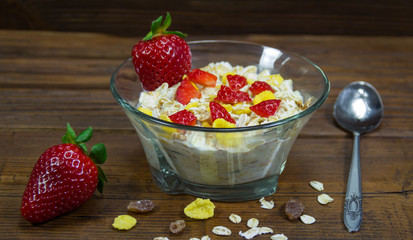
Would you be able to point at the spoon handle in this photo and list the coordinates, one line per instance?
(353, 202)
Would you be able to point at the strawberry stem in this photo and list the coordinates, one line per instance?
(159, 28)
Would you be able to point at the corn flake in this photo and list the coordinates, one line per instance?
(200, 209)
(124, 222)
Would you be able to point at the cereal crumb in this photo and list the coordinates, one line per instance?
(177, 226)
(279, 237)
(200, 209)
(307, 219)
(235, 218)
(221, 231)
(293, 209)
(253, 222)
(124, 222)
(317, 185)
(266, 204)
(252, 232)
(141, 206)
(324, 199)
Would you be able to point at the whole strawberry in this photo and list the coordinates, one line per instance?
(63, 178)
(161, 56)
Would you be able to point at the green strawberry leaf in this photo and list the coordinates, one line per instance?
(98, 153)
(101, 179)
(85, 135)
(70, 135)
(159, 28)
(83, 147)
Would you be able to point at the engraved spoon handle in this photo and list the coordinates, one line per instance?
(353, 201)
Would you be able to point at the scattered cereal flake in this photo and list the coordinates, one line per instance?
(279, 237)
(324, 199)
(161, 238)
(206, 237)
(266, 204)
(317, 185)
(265, 230)
(124, 222)
(255, 231)
(249, 234)
(221, 231)
(194, 239)
(253, 223)
(235, 218)
(307, 219)
(200, 209)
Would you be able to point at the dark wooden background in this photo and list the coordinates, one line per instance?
(133, 17)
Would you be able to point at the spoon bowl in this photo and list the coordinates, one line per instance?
(358, 109)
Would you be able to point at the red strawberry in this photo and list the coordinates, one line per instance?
(266, 108)
(218, 111)
(161, 56)
(260, 86)
(63, 178)
(227, 95)
(184, 117)
(236, 81)
(203, 78)
(186, 91)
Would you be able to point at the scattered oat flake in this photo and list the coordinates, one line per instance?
(307, 219)
(221, 231)
(206, 237)
(194, 239)
(266, 204)
(252, 232)
(324, 199)
(161, 238)
(124, 222)
(253, 223)
(279, 237)
(235, 218)
(317, 185)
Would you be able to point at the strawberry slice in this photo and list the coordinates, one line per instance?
(227, 95)
(184, 117)
(266, 108)
(203, 78)
(259, 86)
(218, 111)
(236, 82)
(186, 91)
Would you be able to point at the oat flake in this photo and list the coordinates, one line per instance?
(317, 185)
(279, 237)
(324, 199)
(221, 231)
(307, 219)
(235, 218)
(266, 204)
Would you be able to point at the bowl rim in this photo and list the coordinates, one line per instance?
(155, 120)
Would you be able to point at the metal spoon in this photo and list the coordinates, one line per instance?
(358, 109)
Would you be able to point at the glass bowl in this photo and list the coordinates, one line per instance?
(242, 163)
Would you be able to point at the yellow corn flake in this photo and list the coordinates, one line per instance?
(263, 96)
(124, 222)
(241, 110)
(250, 81)
(227, 107)
(191, 105)
(275, 79)
(145, 110)
(222, 123)
(200, 209)
(206, 124)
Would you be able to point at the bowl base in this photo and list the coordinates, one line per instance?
(172, 184)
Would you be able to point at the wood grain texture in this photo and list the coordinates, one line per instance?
(133, 18)
(50, 78)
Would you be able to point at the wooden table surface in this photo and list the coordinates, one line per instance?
(50, 78)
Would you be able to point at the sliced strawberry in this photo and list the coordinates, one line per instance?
(227, 95)
(186, 91)
(236, 82)
(266, 108)
(218, 111)
(203, 78)
(259, 86)
(184, 117)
